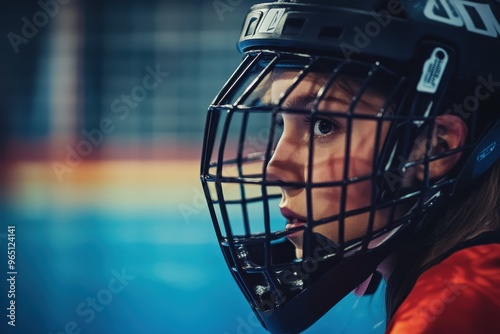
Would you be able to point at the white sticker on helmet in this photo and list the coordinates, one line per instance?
(433, 71)
(271, 20)
(459, 13)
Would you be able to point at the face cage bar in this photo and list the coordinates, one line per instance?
(270, 277)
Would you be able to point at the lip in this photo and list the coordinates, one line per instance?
(293, 220)
(291, 216)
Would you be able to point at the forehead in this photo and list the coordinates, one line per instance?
(343, 90)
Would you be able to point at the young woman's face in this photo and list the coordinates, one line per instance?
(290, 160)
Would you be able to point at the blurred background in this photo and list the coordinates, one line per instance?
(103, 107)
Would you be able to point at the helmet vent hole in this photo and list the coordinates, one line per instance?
(252, 26)
(293, 26)
(330, 32)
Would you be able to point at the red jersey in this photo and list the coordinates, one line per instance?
(461, 294)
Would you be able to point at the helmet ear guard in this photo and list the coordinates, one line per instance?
(484, 156)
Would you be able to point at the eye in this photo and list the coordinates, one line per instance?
(323, 127)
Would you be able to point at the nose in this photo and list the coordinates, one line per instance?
(285, 164)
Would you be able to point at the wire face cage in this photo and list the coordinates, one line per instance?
(308, 170)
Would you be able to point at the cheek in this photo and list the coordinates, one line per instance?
(329, 163)
(330, 167)
(329, 157)
(363, 140)
(327, 200)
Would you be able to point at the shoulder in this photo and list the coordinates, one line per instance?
(461, 294)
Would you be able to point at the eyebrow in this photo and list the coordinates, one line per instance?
(305, 101)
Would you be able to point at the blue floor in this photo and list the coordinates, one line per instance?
(99, 271)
